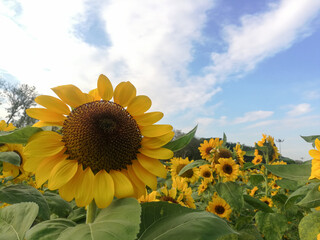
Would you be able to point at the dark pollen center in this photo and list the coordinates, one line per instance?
(227, 169)
(101, 135)
(207, 174)
(219, 209)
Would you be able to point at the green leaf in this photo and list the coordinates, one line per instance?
(10, 157)
(297, 172)
(182, 141)
(250, 153)
(57, 205)
(257, 204)
(163, 221)
(16, 219)
(300, 192)
(194, 164)
(309, 226)
(248, 165)
(231, 192)
(120, 220)
(224, 139)
(256, 179)
(78, 215)
(287, 184)
(25, 193)
(310, 139)
(49, 230)
(279, 200)
(19, 136)
(312, 199)
(271, 225)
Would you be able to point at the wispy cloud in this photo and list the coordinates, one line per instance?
(299, 109)
(263, 35)
(253, 116)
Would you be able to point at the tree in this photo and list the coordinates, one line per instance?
(18, 97)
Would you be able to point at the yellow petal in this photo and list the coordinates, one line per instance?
(155, 130)
(139, 105)
(53, 104)
(44, 124)
(44, 144)
(71, 95)
(152, 165)
(103, 189)
(10, 127)
(68, 191)
(148, 118)
(314, 153)
(157, 141)
(3, 125)
(62, 173)
(45, 115)
(84, 192)
(95, 94)
(124, 93)
(88, 97)
(140, 187)
(317, 143)
(158, 153)
(45, 167)
(105, 88)
(122, 185)
(144, 175)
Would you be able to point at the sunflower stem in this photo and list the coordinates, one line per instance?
(91, 212)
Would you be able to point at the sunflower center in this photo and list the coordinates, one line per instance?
(207, 174)
(222, 153)
(101, 135)
(227, 168)
(208, 149)
(266, 202)
(219, 209)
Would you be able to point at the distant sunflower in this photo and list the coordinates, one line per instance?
(240, 154)
(177, 164)
(220, 152)
(6, 127)
(267, 201)
(219, 207)
(206, 172)
(105, 149)
(206, 147)
(228, 169)
(253, 191)
(151, 197)
(203, 186)
(257, 160)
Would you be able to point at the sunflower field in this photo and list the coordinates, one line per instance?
(97, 166)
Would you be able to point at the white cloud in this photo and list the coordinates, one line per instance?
(299, 109)
(263, 35)
(253, 116)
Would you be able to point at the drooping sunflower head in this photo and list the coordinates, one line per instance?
(239, 153)
(107, 141)
(8, 168)
(228, 169)
(219, 207)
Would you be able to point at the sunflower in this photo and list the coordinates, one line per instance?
(206, 147)
(315, 153)
(315, 169)
(6, 127)
(253, 191)
(105, 149)
(203, 186)
(8, 168)
(219, 207)
(267, 201)
(257, 160)
(263, 140)
(177, 164)
(239, 153)
(151, 197)
(206, 172)
(228, 169)
(220, 152)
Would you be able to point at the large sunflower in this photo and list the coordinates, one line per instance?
(228, 169)
(106, 147)
(219, 207)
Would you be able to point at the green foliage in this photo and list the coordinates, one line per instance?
(288, 184)
(299, 193)
(256, 179)
(24, 193)
(182, 141)
(257, 204)
(311, 139)
(194, 164)
(20, 136)
(120, 220)
(297, 172)
(162, 221)
(312, 199)
(309, 226)
(231, 192)
(10, 157)
(16, 219)
(271, 225)
(57, 205)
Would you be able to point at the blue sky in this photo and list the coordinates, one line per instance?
(243, 67)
